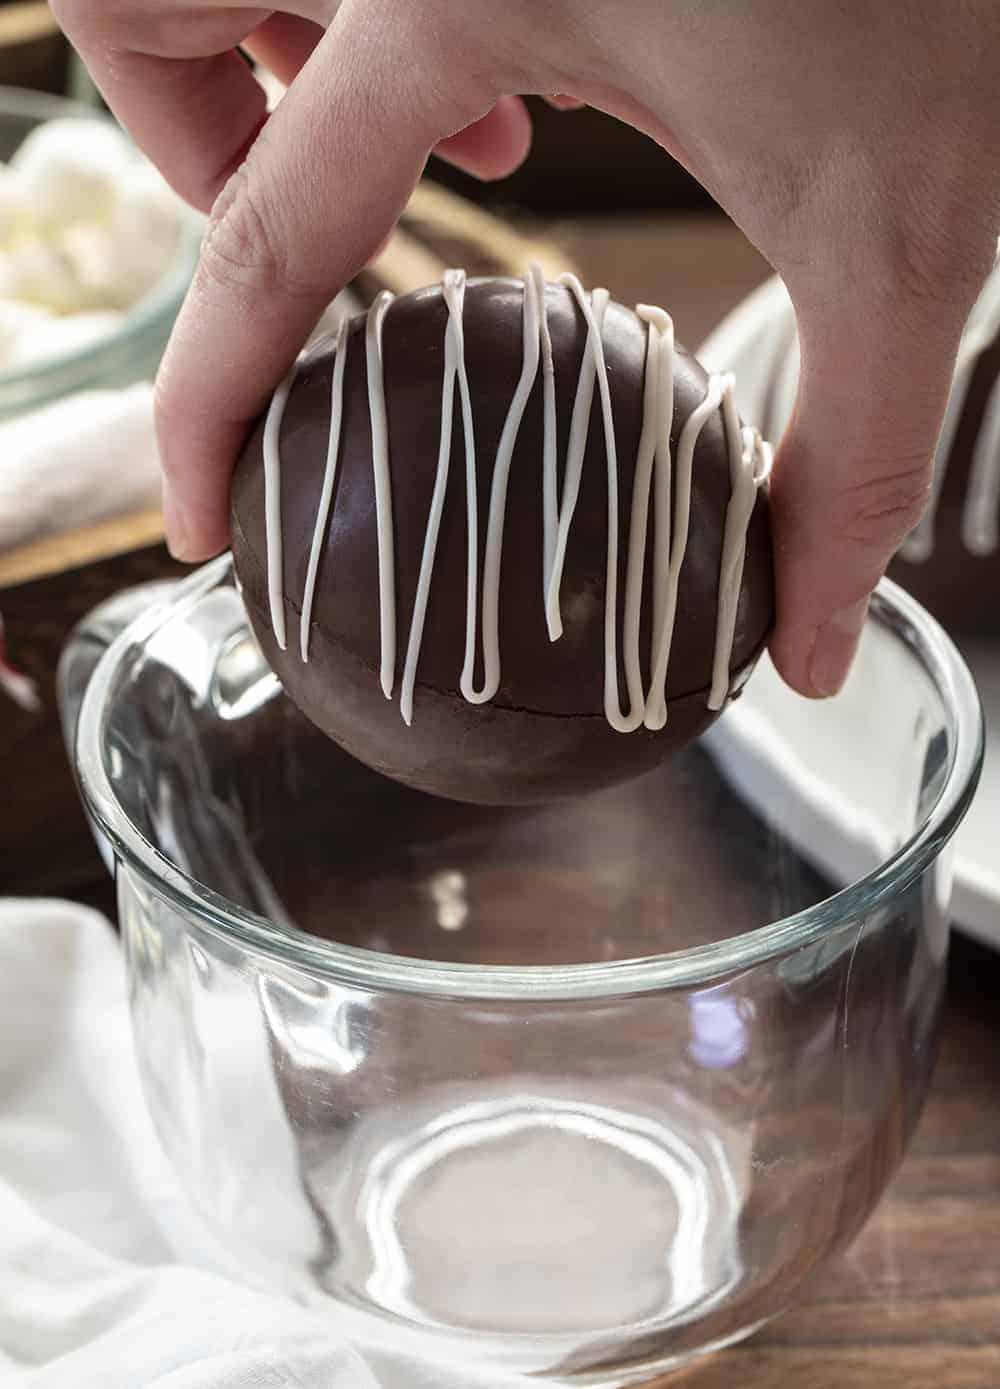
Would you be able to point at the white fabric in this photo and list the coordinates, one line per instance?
(90, 456)
(79, 460)
(93, 1294)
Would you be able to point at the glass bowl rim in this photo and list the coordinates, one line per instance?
(692, 966)
(159, 303)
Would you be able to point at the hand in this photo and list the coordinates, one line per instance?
(854, 143)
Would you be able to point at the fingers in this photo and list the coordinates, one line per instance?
(320, 189)
(493, 146)
(283, 44)
(191, 102)
(490, 148)
(853, 475)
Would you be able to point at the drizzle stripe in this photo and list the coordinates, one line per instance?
(656, 472)
(329, 476)
(383, 490)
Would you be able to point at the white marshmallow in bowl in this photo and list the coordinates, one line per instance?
(70, 169)
(15, 205)
(87, 229)
(145, 230)
(40, 272)
(89, 247)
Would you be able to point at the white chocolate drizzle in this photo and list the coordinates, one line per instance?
(383, 490)
(498, 496)
(453, 288)
(329, 476)
(272, 508)
(659, 478)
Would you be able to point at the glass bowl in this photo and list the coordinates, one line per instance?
(130, 353)
(581, 1091)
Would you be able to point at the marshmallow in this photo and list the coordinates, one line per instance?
(70, 169)
(145, 231)
(42, 273)
(74, 269)
(89, 247)
(15, 205)
(87, 229)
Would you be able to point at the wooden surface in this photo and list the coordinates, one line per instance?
(33, 53)
(80, 548)
(26, 22)
(45, 845)
(916, 1301)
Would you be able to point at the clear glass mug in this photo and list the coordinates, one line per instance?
(582, 1091)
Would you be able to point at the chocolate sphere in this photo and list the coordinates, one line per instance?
(355, 564)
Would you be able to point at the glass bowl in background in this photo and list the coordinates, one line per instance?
(130, 353)
(582, 1091)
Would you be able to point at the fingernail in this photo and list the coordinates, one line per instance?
(833, 653)
(175, 527)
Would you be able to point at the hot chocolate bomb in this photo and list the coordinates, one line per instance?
(504, 542)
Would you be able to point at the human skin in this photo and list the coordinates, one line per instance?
(854, 141)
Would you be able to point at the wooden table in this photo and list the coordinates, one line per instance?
(916, 1301)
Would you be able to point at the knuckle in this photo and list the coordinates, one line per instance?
(884, 508)
(240, 248)
(247, 251)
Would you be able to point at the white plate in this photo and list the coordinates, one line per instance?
(751, 342)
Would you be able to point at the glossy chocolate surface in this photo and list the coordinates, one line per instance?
(544, 735)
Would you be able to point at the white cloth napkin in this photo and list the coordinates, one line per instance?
(93, 1291)
(82, 459)
(91, 456)
(78, 460)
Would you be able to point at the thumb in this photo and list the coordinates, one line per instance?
(320, 189)
(854, 470)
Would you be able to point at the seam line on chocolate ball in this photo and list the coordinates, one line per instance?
(749, 466)
(499, 703)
